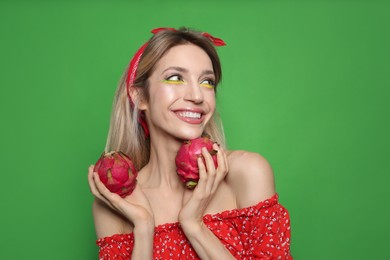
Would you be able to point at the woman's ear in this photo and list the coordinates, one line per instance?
(138, 99)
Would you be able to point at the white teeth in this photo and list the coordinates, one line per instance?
(190, 114)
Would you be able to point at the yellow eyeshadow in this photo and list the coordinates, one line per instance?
(178, 82)
(172, 81)
(207, 85)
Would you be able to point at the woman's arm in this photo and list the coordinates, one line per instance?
(112, 214)
(107, 221)
(250, 177)
(268, 230)
(205, 243)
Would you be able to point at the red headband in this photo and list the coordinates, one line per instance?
(132, 71)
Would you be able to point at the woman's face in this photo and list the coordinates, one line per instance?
(181, 93)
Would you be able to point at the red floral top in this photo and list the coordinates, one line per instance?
(261, 231)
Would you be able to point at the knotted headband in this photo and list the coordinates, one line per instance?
(132, 71)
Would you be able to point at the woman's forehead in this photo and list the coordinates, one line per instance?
(187, 57)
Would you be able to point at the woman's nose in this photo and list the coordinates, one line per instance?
(194, 93)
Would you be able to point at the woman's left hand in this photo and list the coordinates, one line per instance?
(191, 214)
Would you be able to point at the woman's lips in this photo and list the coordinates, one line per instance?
(191, 117)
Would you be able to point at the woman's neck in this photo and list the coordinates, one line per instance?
(160, 171)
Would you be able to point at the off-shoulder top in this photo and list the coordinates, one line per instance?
(261, 231)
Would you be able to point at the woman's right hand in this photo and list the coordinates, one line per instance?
(135, 207)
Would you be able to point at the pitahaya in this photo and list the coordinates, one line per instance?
(186, 159)
(117, 172)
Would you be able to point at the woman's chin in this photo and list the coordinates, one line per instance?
(189, 135)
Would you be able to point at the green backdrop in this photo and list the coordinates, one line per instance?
(306, 84)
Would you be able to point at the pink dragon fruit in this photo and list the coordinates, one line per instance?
(186, 159)
(117, 172)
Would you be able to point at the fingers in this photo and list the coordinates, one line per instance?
(99, 190)
(211, 170)
(202, 182)
(210, 177)
(91, 181)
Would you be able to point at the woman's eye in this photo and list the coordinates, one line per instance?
(174, 79)
(208, 83)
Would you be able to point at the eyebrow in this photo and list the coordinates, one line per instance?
(208, 72)
(184, 70)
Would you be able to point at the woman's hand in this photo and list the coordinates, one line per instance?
(205, 243)
(135, 207)
(191, 215)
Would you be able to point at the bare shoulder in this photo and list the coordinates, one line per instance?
(250, 177)
(107, 222)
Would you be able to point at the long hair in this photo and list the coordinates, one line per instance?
(125, 133)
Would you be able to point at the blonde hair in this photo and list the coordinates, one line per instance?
(125, 133)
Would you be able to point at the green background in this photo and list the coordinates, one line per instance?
(306, 84)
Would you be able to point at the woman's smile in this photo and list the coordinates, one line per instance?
(190, 116)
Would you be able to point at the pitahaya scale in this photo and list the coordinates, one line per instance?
(186, 159)
(117, 172)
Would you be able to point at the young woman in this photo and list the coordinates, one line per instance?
(166, 96)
